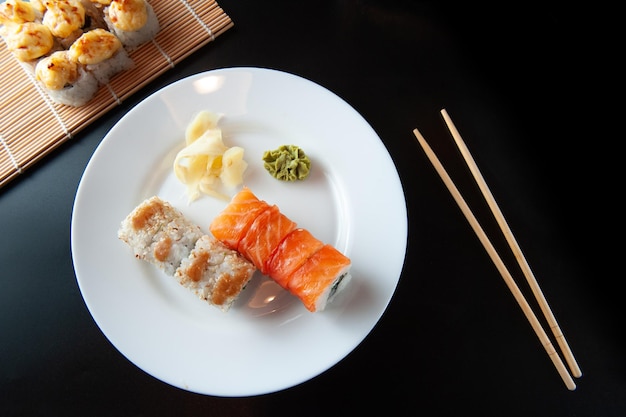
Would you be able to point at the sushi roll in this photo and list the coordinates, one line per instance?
(291, 253)
(264, 235)
(322, 276)
(65, 19)
(231, 225)
(311, 270)
(65, 81)
(159, 234)
(17, 11)
(101, 53)
(28, 41)
(133, 21)
(215, 273)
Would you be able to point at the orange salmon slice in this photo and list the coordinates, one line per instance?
(231, 225)
(313, 281)
(264, 235)
(290, 254)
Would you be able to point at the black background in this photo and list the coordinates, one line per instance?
(534, 91)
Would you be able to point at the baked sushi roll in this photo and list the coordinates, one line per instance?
(215, 273)
(27, 41)
(18, 11)
(65, 19)
(65, 81)
(101, 53)
(159, 234)
(133, 21)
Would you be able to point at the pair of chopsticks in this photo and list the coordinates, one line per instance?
(519, 297)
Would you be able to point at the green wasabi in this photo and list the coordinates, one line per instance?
(287, 163)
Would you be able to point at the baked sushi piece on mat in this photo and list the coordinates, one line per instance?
(27, 41)
(311, 270)
(20, 11)
(215, 273)
(65, 81)
(158, 233)
(102, 54)
(133, 21)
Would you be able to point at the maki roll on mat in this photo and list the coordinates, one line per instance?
(65, 81)
(133, 21)
(102, 54)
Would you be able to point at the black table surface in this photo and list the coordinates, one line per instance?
(529, 87)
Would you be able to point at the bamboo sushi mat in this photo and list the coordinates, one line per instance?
(31, 125)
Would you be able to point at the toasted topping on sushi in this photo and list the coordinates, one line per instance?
(38, 5)
(28, 41)
(102, 2)
(94, 47)
(16, 11)
(128, 15)
(64, 17)
(159, 234)
(56, 71)
(214, 272)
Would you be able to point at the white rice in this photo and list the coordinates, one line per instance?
(77, 94)
(103, 71)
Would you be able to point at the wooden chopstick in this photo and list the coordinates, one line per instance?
(493, 254)
(521, 259)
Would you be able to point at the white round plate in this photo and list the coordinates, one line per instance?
(268, 341)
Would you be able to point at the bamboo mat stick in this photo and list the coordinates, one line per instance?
(517, 251)
(493, 254)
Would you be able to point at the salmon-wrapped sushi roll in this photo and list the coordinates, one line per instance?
(231, 225)
(320, 278)
(159, 234)
(264, 235)
(215, 273)
(291, 253)
(313, 271)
